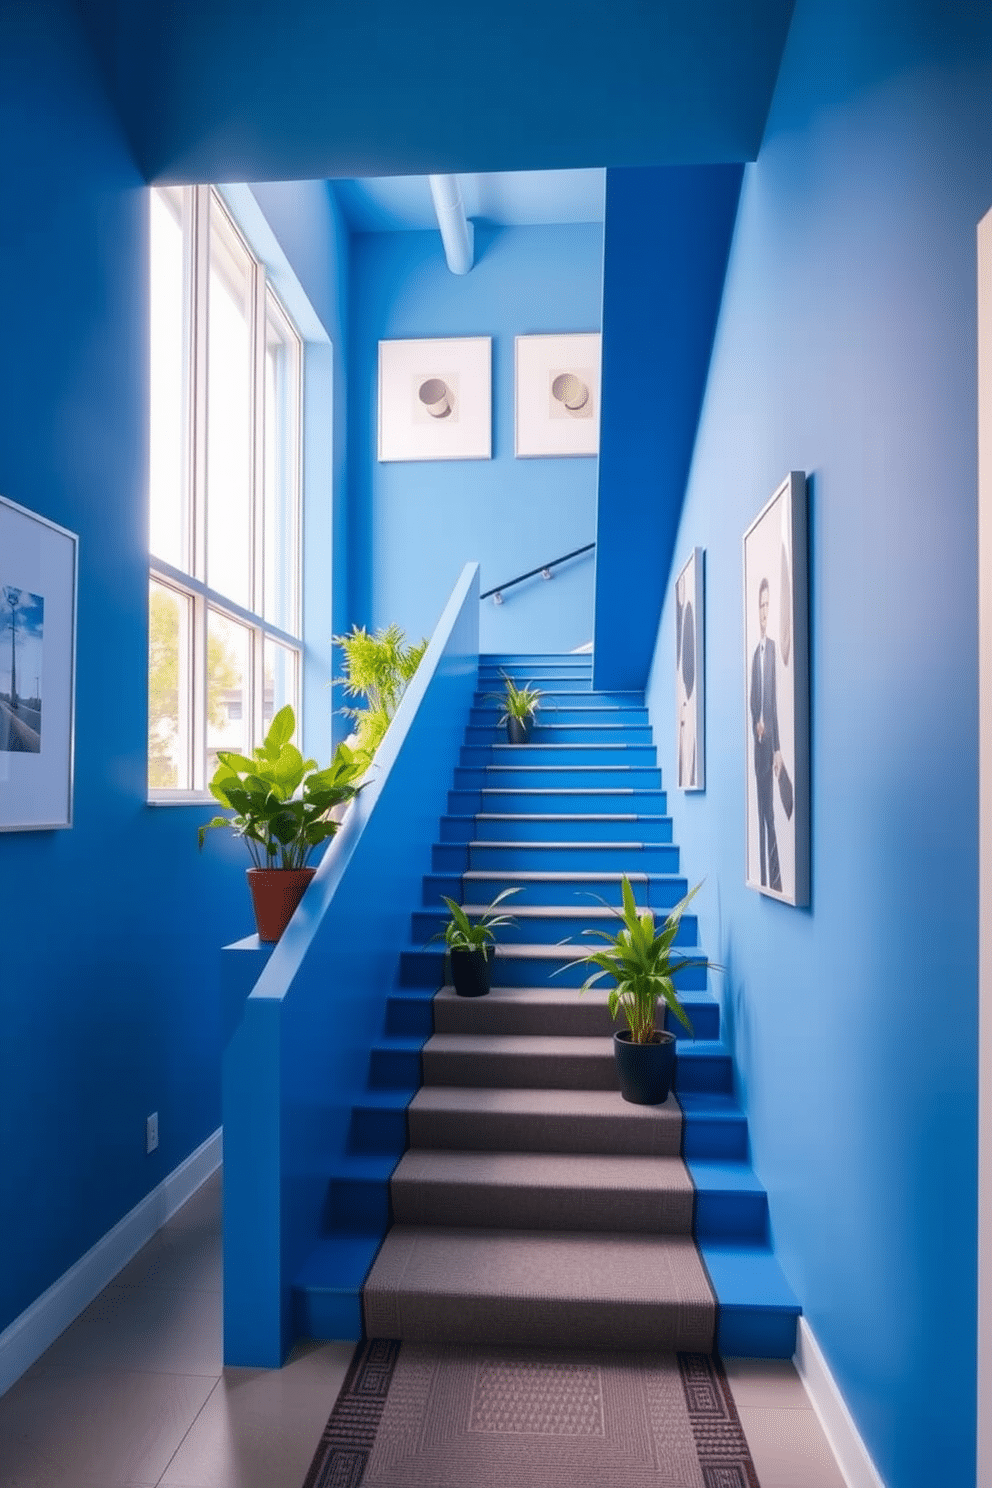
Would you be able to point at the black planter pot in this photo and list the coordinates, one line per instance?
(645, 1071)
(470, 973)
(519, 730)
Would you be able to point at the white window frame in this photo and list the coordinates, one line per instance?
(200, 203)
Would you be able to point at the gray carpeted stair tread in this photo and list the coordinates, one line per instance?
(532, 1287)
(547, 1191)
(524, 1120)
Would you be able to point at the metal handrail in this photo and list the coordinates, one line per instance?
(544, 571)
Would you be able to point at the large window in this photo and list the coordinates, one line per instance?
(224, 518)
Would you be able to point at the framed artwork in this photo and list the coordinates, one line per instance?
(776, 680)
(690, 672)
(435, 399)
(557, 395)
(37, 670)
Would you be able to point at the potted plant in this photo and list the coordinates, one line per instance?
(468, 943)
(281, 803)
(639, 958)
(378, 668)
(520, 705)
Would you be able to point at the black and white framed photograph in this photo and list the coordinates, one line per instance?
(435, 399)
(776, 672)
(557, 395)
(37, 670)
(690, 741)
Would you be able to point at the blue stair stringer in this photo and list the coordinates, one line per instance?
(538, 815)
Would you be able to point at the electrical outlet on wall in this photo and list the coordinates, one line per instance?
(151, 1132)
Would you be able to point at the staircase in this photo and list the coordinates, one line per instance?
(530, 1203)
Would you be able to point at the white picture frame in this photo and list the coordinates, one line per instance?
(776, 696)
(557, 395)
(690, 674)
(38, 580)
(435, 399)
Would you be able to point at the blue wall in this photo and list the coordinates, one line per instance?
(110, 930)
(109, 993)
(414, 524)
(847, 347)
(668, 232)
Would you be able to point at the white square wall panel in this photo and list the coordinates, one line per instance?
(435, 399)
(557, 395)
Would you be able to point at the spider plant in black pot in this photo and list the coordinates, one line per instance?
(468, 943)
(639, 957)
(520, 705)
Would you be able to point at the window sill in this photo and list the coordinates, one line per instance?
(182, 798)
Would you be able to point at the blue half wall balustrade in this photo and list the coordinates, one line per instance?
(299, 1053)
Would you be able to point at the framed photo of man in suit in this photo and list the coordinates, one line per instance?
(690, 738)
(776, 695)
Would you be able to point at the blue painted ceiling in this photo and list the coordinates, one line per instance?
(215, 90)
(502, 199)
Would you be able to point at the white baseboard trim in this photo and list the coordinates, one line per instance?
(835, 1418)
(29, 1335)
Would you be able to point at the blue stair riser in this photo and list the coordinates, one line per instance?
(659, 893)
(709, 1137)
(546, 929)
(328, 1312)
(530, 658)
(703, 1068)
(453, 857)
(556, 756)
(492, 690)
(756, 1332)
(425, 968)
(728, 1214)
(392, 1068)
(558, 716)
(379, 1128)
(530, 828)
(543, 777)
(551, 731)
(567, 695)
(410, 1012)
(359, 1204)
(524, 666)
(641, 803)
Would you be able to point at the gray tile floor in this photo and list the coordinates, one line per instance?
(134, 1394)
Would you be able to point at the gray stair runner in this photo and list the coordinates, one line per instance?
(534, 1206)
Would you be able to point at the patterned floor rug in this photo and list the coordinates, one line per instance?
(436, 1416)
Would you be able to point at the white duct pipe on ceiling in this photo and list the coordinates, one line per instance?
(457, 233)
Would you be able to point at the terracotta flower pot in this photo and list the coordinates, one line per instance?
(275, 893)
(645, 1071)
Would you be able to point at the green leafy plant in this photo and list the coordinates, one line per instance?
(280, 800)
(640, 960)
(520, 703)
(463, 934)
(378, 668)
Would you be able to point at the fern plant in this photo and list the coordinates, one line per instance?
(377, 667)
